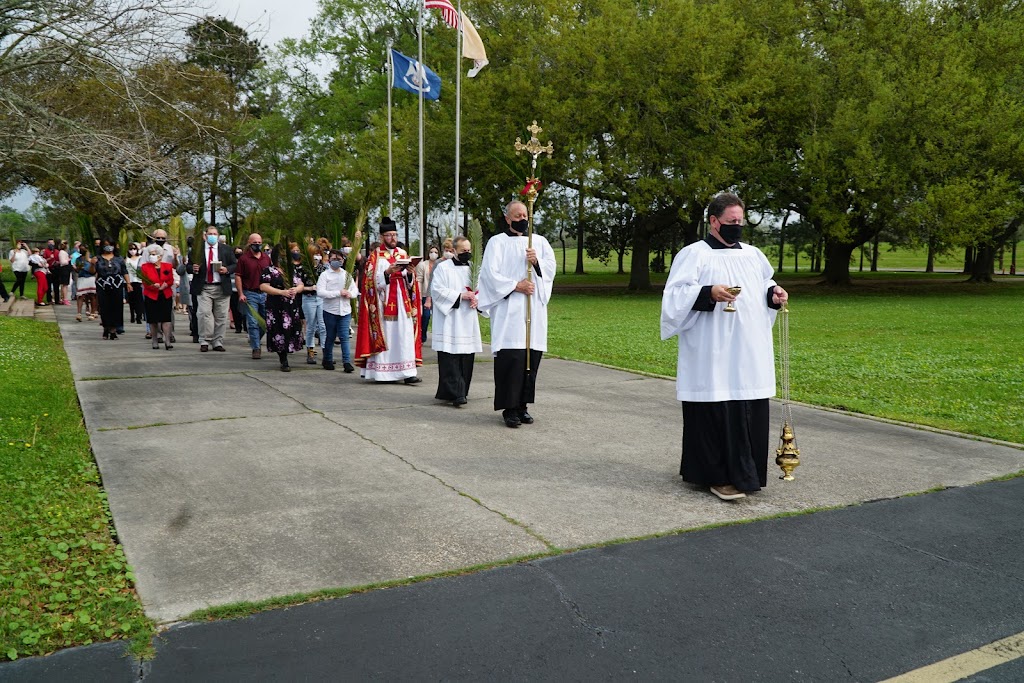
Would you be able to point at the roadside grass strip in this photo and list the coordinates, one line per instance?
(64, 580)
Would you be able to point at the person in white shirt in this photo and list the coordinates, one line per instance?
(726, 367)
(21, 268)
(456, 332)
(337, 289)
(504, 290)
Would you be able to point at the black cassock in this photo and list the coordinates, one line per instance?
(726, 442)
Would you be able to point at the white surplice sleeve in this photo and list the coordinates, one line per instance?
(495, 282)
(681, 291)
(548, 268)
(445, 289)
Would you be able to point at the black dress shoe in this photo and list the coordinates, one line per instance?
(510, 417)
(328, 364)
(413, 380)
(461, 401)
(349, 367)
(525, 417)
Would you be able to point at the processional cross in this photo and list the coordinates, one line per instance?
(534, 148)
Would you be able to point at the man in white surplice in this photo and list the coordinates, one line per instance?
(726, 369)
(456, 330)
(503, 293)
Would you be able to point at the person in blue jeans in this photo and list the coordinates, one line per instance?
(248, 274)
(337, 289)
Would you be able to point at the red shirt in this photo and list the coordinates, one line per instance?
(157, 273)
(250, 269)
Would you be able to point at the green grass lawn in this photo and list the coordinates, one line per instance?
(63, 578)
(942, 353)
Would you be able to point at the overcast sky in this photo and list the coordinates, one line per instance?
(268, 20)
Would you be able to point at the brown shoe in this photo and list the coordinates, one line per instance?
(728, 492)
(204, 348)
(255, 354)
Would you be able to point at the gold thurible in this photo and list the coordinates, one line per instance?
(787, 455)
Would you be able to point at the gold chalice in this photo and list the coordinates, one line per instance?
(729, 307)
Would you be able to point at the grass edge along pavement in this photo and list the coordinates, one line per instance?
(64, 579)
(243, 609)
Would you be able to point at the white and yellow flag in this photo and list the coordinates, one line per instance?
(472, 46)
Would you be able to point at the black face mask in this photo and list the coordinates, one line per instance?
(465, 257)
(108, 250)
(296, 256)
(521, 226)
(730, 233)
(160, 241)
(255, 248)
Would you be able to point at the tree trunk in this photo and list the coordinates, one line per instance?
(984, 264)
(695, 218)
(929, 266)
(861, 268)
(782, 239)
(561, 238)
(405, 214)
(1013, 259)
(580, 226)
(213, 186)
(874, 255)
(234, 199)
(968, 260)
(837, 263)
(622, 257)
(640, 267)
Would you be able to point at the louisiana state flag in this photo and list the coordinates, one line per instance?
(408, 74)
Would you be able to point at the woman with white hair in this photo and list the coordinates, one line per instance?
(158, 279)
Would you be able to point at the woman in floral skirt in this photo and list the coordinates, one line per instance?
(284, 308)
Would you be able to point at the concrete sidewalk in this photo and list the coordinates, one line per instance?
(229, 480)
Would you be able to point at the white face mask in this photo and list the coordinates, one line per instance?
(449, 254)
(433, 256)
(346, 250)
(153, 258)
(318, 258)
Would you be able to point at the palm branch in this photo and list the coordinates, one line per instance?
(476, 239)
(260, 322)
(176, 233)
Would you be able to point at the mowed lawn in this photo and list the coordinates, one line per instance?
(940, 352)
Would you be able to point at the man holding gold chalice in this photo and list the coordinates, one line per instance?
(721, 301)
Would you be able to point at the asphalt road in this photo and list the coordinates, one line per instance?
(860, 594)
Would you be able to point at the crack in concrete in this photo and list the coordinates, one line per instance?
(571, 605)
(508, 518)
(190, 422)
(941, 558)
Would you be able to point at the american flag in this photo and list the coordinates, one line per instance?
(448, 13)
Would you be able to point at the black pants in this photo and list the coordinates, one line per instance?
(19, 283)
(236, 314)
(54, 292)
(454, 375)
(3, 291)
(513, 385)
(135, 308)
(726, 443)
(111, 305)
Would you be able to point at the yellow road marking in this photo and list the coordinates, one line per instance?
(966, 664)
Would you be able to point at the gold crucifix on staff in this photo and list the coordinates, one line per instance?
(534, 148)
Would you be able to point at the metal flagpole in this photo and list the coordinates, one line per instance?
(391, 178)
(458, 114)
(421, 75)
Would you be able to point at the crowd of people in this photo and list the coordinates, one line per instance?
(294, 298)
(301, 294)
